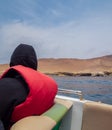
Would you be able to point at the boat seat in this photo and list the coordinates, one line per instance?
(97, 116)
(50, 120)
(58, 111)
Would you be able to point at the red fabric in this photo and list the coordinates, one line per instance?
(41, 96)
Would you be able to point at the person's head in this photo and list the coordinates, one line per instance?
(24, 55)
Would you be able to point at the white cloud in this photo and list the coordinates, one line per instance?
(77, 39)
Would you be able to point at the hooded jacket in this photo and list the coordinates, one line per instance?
(24, 55)
(40, 89)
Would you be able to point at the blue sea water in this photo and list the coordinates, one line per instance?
(93, 88)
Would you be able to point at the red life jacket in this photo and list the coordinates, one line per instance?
(41, 95)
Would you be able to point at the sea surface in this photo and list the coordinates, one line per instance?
(93, 88)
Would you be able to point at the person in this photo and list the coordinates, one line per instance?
(24, 91)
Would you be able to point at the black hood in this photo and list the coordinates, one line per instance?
(24, 55)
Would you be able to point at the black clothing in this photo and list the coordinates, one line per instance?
(24, 55)
(1, 125)
(13, 89)
(12, 93)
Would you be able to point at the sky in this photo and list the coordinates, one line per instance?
(56, 28)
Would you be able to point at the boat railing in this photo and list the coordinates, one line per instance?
(69, 91)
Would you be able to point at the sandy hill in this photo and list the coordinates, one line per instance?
(99, 65)
(94, 66)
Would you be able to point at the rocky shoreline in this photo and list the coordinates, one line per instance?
(102, 74)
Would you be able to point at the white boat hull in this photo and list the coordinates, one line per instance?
(87, 115)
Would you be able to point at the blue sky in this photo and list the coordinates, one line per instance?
(56, 28)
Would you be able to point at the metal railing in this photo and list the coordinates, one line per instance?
(69, 91)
